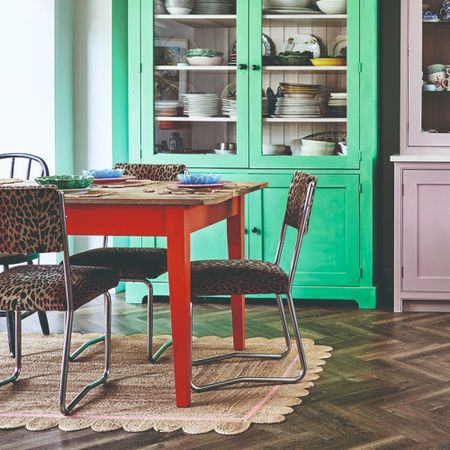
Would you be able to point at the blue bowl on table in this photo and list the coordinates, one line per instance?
(199, 178)
(103, 173)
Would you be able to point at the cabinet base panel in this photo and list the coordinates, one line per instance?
(414, 305)
(365, 297)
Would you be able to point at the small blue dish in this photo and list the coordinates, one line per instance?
(104, 173)
(199, 178)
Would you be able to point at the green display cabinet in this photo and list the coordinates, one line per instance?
(336, 103)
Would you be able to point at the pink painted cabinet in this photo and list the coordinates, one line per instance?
(423, 236)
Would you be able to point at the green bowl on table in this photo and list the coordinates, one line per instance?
(66, 181)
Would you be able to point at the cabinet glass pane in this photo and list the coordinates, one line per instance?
(304, 103)
(195, 78)
(436, 67)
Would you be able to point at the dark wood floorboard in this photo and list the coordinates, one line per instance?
(386, 386)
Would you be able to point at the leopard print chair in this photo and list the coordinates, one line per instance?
(32, 220)
(23, 166)
(228, 277)
(137, 265)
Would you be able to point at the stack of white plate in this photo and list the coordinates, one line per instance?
(214, 7)
(201, 105)
(166, 108)
(229, 107)
(337, 104)
(265, 107)
(298, 105)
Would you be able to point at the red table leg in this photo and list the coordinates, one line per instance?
(179, 268)
(236, 250)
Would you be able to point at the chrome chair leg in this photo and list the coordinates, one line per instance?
(17, 350)
(268, 380)
(152, 357)
(277, 356)
(68, 323)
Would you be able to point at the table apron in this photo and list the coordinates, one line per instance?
(142, 220)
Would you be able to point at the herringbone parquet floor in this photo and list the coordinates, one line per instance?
(386, 386)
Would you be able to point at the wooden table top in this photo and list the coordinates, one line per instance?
(162, 193)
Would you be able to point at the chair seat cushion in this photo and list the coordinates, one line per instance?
(228, 277)
(130, 263)
(41, 288)
(17, 259)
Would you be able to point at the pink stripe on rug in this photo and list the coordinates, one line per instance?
(270, 394)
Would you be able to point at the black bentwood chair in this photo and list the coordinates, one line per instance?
(228, 277)
(32, 220)
(136, 265)
(23, 166)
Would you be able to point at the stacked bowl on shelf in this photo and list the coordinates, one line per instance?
(201, 105)
(166, 108)
(179, 7)
(204, 57)
(214, 7)
(337, 104)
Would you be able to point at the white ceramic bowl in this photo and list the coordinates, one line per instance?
(205, 60)
(332, 6)
(177, 11)
(287, 3)
(270, 149)
(317, 148)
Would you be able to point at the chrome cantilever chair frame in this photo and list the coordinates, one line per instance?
(304, 220)
(152, 357)
(68, 324)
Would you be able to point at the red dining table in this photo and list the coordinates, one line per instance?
(162, 209)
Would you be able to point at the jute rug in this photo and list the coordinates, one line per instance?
(138, 396)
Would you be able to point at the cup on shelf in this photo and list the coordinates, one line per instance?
(437, 79)
(435, 68)
(429, 88)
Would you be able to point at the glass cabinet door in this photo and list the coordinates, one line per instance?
(195, 95)
(429, 70)
(304, 83)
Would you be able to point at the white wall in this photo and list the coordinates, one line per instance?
(92, 91)
(27, 95)
(92, 84)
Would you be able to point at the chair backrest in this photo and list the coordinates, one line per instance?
(297, 215)
(296, 202)
(31, 161)
(154, 172)
(31, 220)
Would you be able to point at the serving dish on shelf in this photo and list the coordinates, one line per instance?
(328, 61)
(302, 43)
(332, 6)
(338, 47)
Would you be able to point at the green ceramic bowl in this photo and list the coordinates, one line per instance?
(66, 181)
(203, 52)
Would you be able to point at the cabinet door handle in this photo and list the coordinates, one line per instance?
(242, 66)
(255, 230)
(255, 67)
